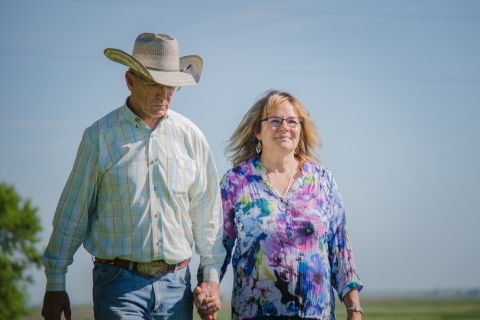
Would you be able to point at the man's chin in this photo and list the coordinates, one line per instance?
(161, 113)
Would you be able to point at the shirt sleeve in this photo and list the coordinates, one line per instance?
(229, 233)
(70, 222)
(344, 273)
(206, 215)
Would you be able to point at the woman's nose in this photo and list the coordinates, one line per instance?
(284, 125)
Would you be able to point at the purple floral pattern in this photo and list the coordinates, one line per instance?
(290, 254)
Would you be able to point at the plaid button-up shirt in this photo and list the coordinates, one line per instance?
(139, 195)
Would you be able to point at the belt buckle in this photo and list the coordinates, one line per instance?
(152, 269)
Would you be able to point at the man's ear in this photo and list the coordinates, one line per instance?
(129, 81)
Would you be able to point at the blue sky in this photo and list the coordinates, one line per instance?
(394, 87)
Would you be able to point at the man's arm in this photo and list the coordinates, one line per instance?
(70, 225)
(206, 214)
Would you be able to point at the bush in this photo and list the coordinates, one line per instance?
(19, 226)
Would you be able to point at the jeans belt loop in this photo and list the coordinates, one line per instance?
(130, 265)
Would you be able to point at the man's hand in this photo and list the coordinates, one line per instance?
(207, 299)
(54, 303)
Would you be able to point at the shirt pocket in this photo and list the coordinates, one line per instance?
(180, 174)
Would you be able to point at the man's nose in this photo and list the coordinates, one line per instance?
(162, 93)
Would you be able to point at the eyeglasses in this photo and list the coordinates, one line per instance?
(277, 122)
(153, 86)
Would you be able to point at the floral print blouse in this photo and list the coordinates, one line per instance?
(290, 253)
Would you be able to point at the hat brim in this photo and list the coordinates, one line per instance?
(189, 75)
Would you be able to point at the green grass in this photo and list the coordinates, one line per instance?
(405, 309)
(418, 309)
(374, 309)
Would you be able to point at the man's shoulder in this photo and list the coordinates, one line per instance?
(183, 123)
(180, 119)
(111, 119)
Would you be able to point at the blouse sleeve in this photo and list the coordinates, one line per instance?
(344, 273)
(229, 233)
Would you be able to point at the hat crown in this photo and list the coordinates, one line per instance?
(157, 57)
(157, 51)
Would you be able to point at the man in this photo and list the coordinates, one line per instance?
(143, 188)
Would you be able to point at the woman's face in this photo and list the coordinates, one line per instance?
(283, 139)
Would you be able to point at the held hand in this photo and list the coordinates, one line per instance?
(200, 304)
(54, 304)
(207, 299)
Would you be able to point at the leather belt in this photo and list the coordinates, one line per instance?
(153, 269)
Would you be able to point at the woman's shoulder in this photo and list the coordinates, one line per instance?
(241, 171)
(316, 169)
(320, 173)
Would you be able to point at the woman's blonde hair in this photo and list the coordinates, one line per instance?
(242, 143)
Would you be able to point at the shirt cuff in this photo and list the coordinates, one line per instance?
(350, 286)
(56, 282)
(211, 273)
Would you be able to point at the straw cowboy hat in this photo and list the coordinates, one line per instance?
(157, 57)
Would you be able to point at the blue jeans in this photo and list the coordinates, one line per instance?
(122, 294)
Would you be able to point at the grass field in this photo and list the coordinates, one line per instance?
(374, 309)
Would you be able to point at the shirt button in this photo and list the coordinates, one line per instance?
(156, 215)
(152, 162)
(154, 188)
(158, 243)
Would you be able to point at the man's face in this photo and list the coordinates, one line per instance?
(148, 99)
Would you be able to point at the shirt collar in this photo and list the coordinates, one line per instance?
(133, 118)
(257, 164)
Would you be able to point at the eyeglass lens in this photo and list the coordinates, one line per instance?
(277, 122)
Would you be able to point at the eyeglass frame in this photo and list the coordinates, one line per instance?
(300, 120)
(169, 89)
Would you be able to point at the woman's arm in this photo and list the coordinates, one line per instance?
(352, 299)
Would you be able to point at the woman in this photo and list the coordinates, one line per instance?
(284, 213)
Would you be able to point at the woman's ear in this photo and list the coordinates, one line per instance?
(258, 133)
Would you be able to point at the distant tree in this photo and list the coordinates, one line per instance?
(19, 227)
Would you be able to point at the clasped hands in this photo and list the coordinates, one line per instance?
(206, 297)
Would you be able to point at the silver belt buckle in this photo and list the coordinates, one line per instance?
(152, 269)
